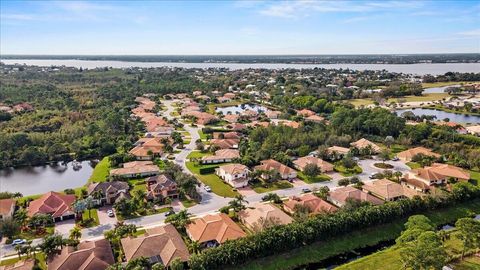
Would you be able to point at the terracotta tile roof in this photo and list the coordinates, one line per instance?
(270, 164)
(315, 118)
(163, 241)
(338, 149)
(272, 114)
(451, 171)
(143, 151)
(410, 153)
(223, 154)
(226, 135)
(225, 143)
(305, 112)
(90, 255)
(261, 213)
(6, 206)
(342, 194)
(416, 183)
(20, 265)
(53, 203)
(110, 186)
(217, 227)
(259, 124)
(388, 190)
(136, 167)
(314, 203)
(231, 118)
(234, 168)
(362, 143)
(302, 162)
(291, 124)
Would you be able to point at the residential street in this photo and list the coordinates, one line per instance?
(210, 201)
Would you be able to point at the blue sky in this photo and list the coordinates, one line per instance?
(239, 27)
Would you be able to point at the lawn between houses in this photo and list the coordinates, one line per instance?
(40, 257)
(424, 98)
(322, 250)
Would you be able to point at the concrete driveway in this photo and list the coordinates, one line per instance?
(103, 218)
(64, 227)
(368, 167)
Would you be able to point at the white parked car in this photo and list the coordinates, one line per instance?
(19, 242)
(110, 213)
(207, 189)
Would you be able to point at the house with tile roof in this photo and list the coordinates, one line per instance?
(305, 112)
(226, 135)
(58, 205)
(315, 204)
(110, 191)
(214, 230)
(315, 119)
(160, 244)
(337, 151)
(302, 162)
(340, 196)
(88, 255)
(236, 175)
(388, 190)
(261, 216)
(407, 155)
(136, 169)
(7, 208)
(273, 165)
(221, 156)
(231, 118)
(364, 143)
(436, 174)
(225, 143)
(161, 187)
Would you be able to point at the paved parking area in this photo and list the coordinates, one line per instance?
(103, 218)
(246, 191)
(64, 227)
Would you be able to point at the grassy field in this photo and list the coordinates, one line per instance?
(389, 259)
(216, 184)
(39, 256)
(197, 154)
(424, 98)
(348, 172)
(203, 136)
(260, 187)
(188, 203)
(469, 263)
(101, 171)
(90, 214)
(413, 165)
(440, 84)
(361, 238)
(311, 180)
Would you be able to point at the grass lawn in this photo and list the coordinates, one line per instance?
(216, 184)
(347, 172)
(311, 180)
(188, 203)
(475, 176)
(468, 263)
(261, 187)
(440, 84)
(361, 238)
(203, 136)
(90, 218)
(39, 256)
(424, 98)
(197, 154)
(413, 165)
(32, 234)
(101, 171)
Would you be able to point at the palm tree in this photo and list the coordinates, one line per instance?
(238, 203)
(21, 217)
(194, 247)
(138, 263)
(179, 220)
(398, 175)
(75, 233)
(18, 249)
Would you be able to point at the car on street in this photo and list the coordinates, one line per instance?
(19, 242)
(207, 189)
(110, 213)
(395, 159)
(306, 190)
(374, 175)
(169, 213)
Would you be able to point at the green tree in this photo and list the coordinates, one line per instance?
(311, 170)
(75, 233)
(469, 233)
(180, 220)
(9, 227)
(425, 253)
(177, 264)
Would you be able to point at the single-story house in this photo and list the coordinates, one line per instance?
(235, 174)
(136, 169)
(314, 203)
(315, 118)
(7, 208)
(273, 165)
(438, 174)
(407, 155)
(226, 135)
(262, 216)
(272, 114)
(214, 230)
(231, 118)
(388, 190)
(225, 143)
(337, 151)
(340, 196)
(364, 143)
(305, 112)
(160, 245)
(87, 255)
(221, 156)
(56, 204)
(302, 162)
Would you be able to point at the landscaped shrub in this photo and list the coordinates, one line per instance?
(283, 238)
(207, 170)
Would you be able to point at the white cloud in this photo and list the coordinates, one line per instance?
(474, 33)
(301, 8)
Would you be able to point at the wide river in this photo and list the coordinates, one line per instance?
(42, 179)
(419, 69)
